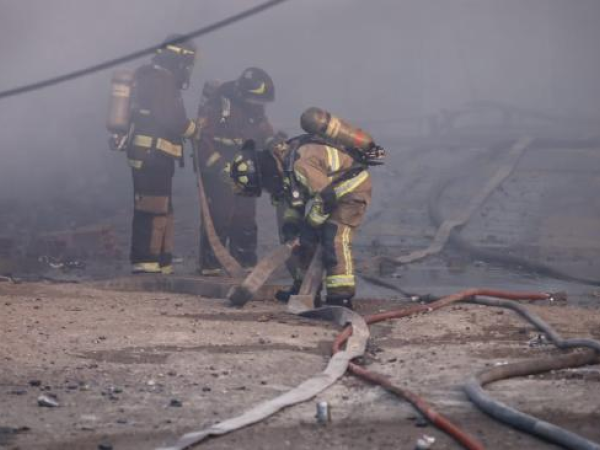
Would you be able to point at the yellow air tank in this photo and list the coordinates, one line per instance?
(332, 128)
(120, 99)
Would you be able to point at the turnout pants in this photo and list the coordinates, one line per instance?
(152, 226)
(234, 219)
(335, 236)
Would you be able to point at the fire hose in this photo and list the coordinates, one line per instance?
(529, 424)
(421, 405)
(228, 262)
(335, 369)
(517, 419)
(498, 257)
(446, 227)
(355, 335)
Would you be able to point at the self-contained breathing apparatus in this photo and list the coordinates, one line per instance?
(119, 109)
(177, 55)
(325, 128)
(352, 140)
(322, 128)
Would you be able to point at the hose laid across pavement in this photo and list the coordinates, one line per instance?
(420, 404)
(537, 321)
(446, 227)
(355, 335)
(531, 425)
(335, 369)
(500, 257)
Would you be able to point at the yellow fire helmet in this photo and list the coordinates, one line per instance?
(255, 86)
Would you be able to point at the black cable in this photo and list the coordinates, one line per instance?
(138, 54)
(541, 325)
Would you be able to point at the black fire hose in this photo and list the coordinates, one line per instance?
(529, 424)
(537, 321)
(378, 281)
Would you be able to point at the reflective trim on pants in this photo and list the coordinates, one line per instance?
(153, 204)
(147, 267)
(135, 163)
(336, 281)
(338, 257)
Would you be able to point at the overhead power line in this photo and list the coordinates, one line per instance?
(138, 54)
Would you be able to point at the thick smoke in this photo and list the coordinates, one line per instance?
(378, 63)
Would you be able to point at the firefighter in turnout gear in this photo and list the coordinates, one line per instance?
(159, 125)
(230, 114)
(324, 189)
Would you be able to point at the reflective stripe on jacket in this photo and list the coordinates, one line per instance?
(159, 119)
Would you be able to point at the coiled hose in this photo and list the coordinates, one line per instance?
(527, 423)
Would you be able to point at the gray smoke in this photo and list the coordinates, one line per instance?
(381, 63)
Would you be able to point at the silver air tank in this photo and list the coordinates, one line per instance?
(332, 128)
(120, 99)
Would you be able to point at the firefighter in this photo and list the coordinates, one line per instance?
(325, 189)
(232, 113)
(159, 125)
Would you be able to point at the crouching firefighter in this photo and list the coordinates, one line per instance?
(158, 124)
(321, 182)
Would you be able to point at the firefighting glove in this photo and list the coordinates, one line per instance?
(292, 222)
(329, 200)
(218, 167)
(316, 215)
(290, 231)
(277, 144)
(118, 142)
(214, 163)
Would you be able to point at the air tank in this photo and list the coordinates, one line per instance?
(337, 131)
(120, 99)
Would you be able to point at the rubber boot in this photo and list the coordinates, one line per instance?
(339, 301)
(284, 295)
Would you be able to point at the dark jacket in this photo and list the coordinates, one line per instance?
(158, 115)
(226, 122)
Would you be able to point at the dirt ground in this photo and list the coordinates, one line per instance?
(136, 370)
